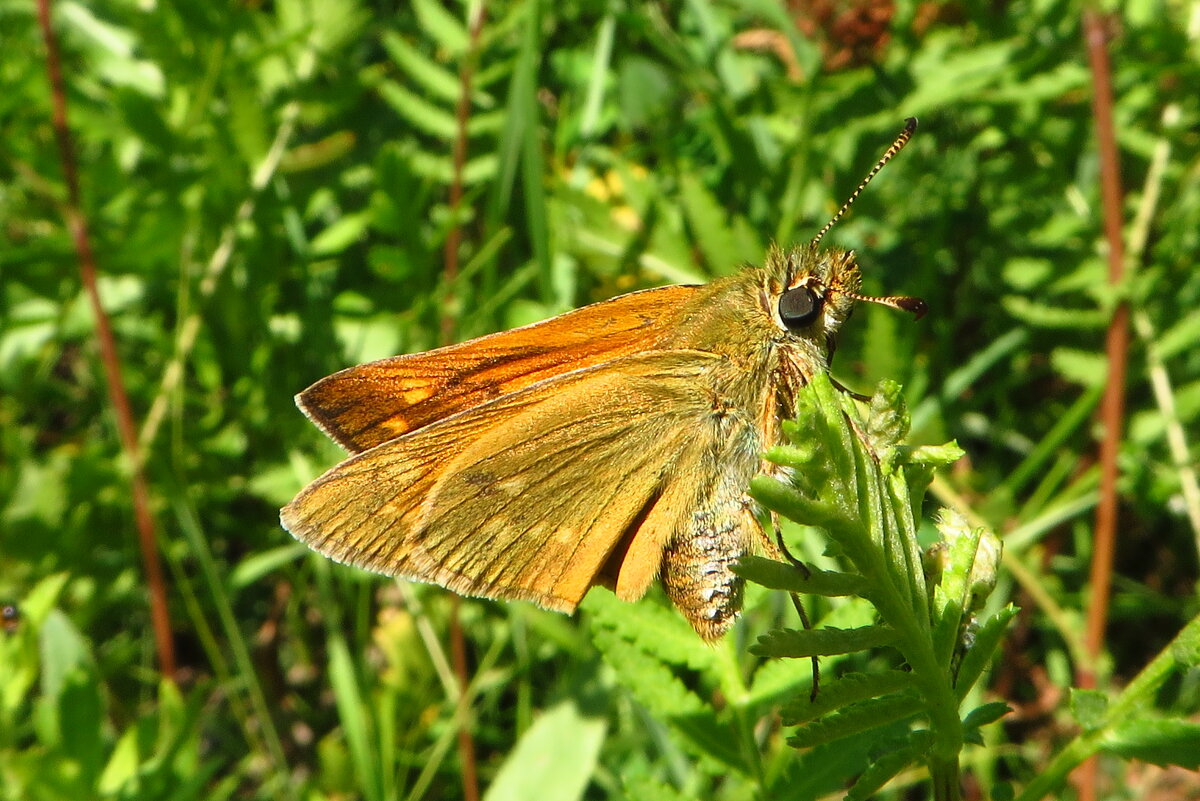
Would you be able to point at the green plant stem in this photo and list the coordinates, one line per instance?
(908, 612)
(945, 778)
(1138, 695)
(915, 642)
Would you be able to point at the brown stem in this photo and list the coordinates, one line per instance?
(458, 644)
(77, 225)
(1112, 406)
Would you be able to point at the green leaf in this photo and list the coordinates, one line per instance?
(256, 566)
(40, 600)
(1043, 315)
(979, 654)
(1186, 648)
(887, 421)
(1179, 338)
(859, 717)
(432, 77)
(449, 32)
(828, 768)
(983, 715)
(881, 770)
(1089, 708)
(821, 642)
(790, 501)
(849, 689)
(640, 785)
(341, 234)
(80, 719)
(724, 240)
(354, 717)
(63, 651)
(776, 575)
(654, 628)
(934, 455)
(553, 760)
(631, 639)
(1158, 741)
(419, 112)
(1086, 368)
(120, 773)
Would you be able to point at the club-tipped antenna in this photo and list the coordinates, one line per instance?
(910, 125)
(914, 306)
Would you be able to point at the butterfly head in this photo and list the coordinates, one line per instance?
(813, 291)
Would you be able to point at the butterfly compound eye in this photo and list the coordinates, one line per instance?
(799, 307)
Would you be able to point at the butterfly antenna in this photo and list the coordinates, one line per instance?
(910, 125)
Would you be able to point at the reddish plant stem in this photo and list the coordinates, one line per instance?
(458, 643)
(1112, 406)
(77, 225)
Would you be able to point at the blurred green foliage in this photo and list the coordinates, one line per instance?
(266, 186)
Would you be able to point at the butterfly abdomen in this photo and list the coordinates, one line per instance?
(697, 567)
(697, 570)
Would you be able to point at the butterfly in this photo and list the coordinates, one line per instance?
(611, 445)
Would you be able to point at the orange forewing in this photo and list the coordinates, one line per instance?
(370, 404)
(485, 501)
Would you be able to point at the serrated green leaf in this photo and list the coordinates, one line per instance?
(626, 636)
(821, 642)
(654, 628)
(849, 689)
(880, 771)
(776, 575)
(887, 420)
(827, 769)
(859, 717)
(1158, 741)
(658, 689)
